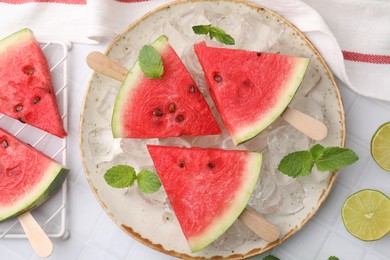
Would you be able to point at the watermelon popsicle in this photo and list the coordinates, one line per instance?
(208, 192)
(27, 179)
(26, 89)
(310, 126)
(164, 103)
(252, 89)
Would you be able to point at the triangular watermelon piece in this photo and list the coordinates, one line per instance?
(250, 89)
(166, 107)
(207, 188)
(27, 177)
(26, 90)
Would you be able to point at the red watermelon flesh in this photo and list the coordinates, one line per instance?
(207, 188)
(166, 107)
(27, 177)
(26, 90)
(250, 89)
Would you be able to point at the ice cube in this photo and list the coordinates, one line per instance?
(234, 237)
(265, 196)
(286, 139)
(119, 159)
(175, 141)
(103, 147)
(310, 81)
(207, 141)
(258, 143)
(158, 198)
(309, 107)
(293, 196)
(137, 153)
(192, 64)
(315, 176)
(268, 205)
(183, 23)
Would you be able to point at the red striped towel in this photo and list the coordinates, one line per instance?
(352, 35)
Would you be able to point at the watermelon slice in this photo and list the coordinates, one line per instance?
(26, 90)
(27, 177)
(207, 188)
(250, 89)
(166, 107)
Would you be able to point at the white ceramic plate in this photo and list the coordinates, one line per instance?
(148, 218)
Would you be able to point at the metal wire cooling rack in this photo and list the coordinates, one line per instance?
(52, 214)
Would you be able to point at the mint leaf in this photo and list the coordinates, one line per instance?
(150, 62)
(335, 158)
(317, 151)
(221, 36)
(214, 32)
(333, 258)
(300, 163)
(270, 257)
(148, 181)
(201, 29)
(120, 176)
(296, 164)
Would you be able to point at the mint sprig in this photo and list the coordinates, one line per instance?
(300, 163)
(214, 32)
(124, 176)
(150, 62)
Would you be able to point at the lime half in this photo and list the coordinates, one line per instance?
(380, 146)
(366, 215)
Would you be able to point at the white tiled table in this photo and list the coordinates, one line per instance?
(94, 236)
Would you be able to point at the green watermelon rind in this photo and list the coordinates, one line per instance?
(128, 86)
(222, 224)
(246, 133)
(17, 37)
(55, 176)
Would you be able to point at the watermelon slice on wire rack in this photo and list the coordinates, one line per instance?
(26, 89)
(207, 188)
(165, 107)
(250, 89)
(27, 177)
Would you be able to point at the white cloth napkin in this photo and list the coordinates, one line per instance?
(352, 35)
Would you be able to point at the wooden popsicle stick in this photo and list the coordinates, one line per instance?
(103, 64)
(308, 125)
(259, 225)
(40, 242)
(252, 219)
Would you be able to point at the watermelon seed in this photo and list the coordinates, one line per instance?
(182, 164)
(18, 108)
(246, 83)
(172, 108)
(157, 112)
(218, 78)
(21, 119)
(211, 165)
(180, 118)
(192, 89)
(28, 70)
(4, 143)
(36, 100)
(258, 54)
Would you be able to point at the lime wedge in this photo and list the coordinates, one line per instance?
(366, 215)
(380, 146)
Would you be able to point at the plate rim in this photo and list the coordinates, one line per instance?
(322, 197)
